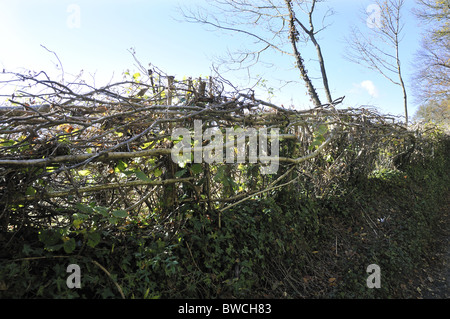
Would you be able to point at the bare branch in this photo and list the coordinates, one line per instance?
(381, 50)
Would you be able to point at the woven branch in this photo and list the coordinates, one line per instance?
(56, 135)
(94, 188)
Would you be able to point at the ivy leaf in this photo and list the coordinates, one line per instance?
(27, 249)
(157, 172)
(128, 173)
(69, 245)
(101, 210)
(77, 223)
(107, 293)
(323, 129)
(121, 166)
(79, 216)
(142, 176)
(196, 168)
(219, 177)
(54, 247)
(180, 173)
(93, 239)
(30, 191)
(120, 213)
(49, 237)
(84, 208)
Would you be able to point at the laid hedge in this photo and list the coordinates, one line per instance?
(286, 245)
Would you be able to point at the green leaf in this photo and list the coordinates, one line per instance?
(30, 191)
(101, 210)
(142, 176)
(93, 238)
(136, 75)
(54, 247)
(121, 165)
(84, 208)
(219, 177)
(196, 168)
(157, 172)
(180, 173)
(316, 142)
(119, 134)
(146, 293)
(27, 249)
(6, 143)
(128, 173)
(107, 293)
(120, 213)
(49, 237)
(80, 216)
(323, 129)
(77, 222)
(84, 172)
(69, 245)
(113, 220)
(146, 145)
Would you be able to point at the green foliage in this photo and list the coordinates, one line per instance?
(319, 136)
(287, 244)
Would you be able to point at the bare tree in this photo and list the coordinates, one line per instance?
(432, 79)
(432, 76)
(437, 13)
(271, 24)
(378, 47)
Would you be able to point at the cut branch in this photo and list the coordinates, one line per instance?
(91, 189)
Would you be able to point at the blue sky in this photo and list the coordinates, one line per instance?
(98, 43)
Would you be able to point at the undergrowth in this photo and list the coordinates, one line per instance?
(286, 245)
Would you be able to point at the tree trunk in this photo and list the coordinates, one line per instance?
(402, 83)
(405, 100)
(322, 68)
(300, 65)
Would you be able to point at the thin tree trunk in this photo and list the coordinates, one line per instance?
(402, 83)
(300, 65)
(405, 99)
(322, 69)
(319, 52)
